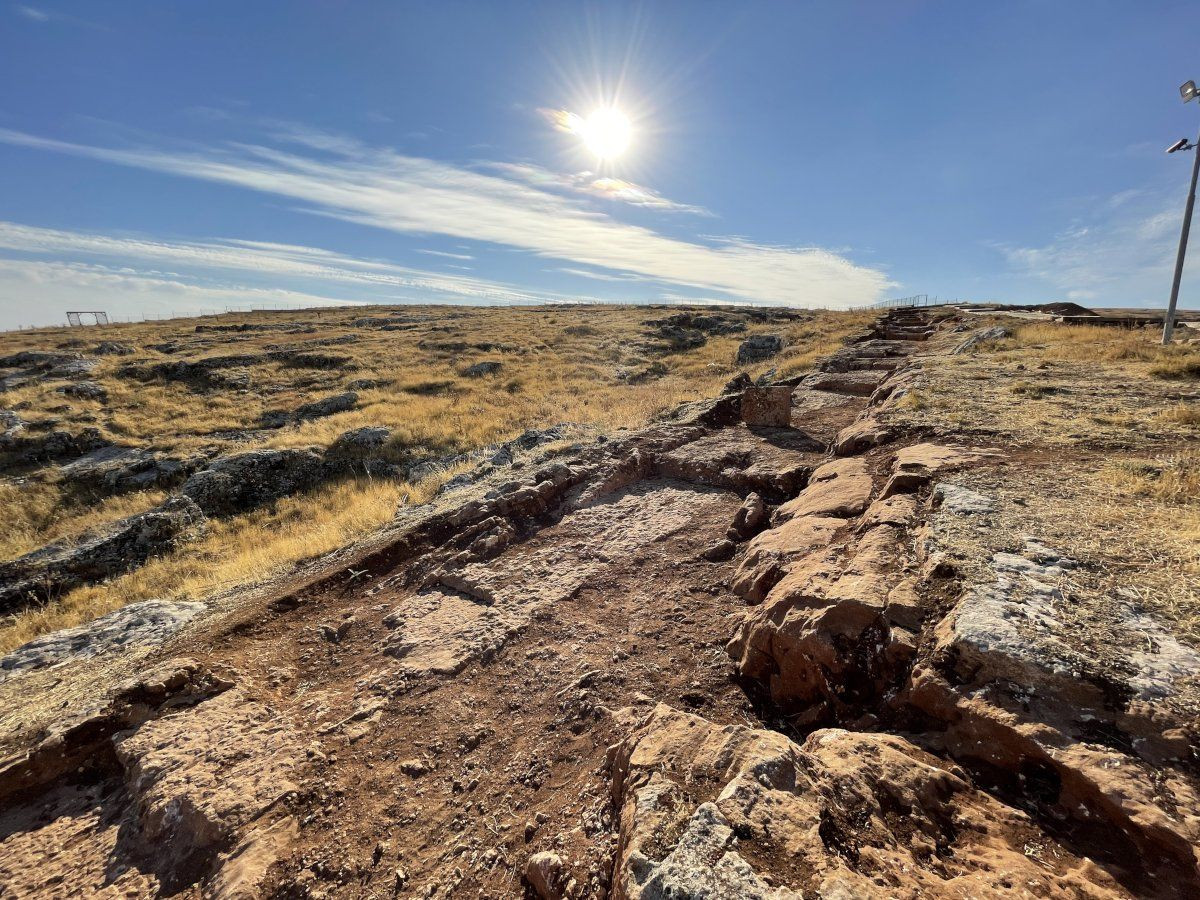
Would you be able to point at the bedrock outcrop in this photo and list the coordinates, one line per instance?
(712, 811)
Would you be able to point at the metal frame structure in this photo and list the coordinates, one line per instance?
(99, 317)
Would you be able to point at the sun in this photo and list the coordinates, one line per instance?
(606, 132)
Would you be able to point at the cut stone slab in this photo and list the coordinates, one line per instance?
(767, 406)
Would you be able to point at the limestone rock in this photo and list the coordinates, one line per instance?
(857, 384)
(769, 554)
(118, 470)
(841, 488)
(749, 519)
(316, 410)
(138, 624)
(774, 463)
(862, 435)
(768, 406)
(984, 335)
(487, 367)
(57, 444)
(547, 875)
(723, 812)
(201, 776)
(812, 640)
(234, 484)
(758, 347)
(85, 390)
(60, 566)
(112, 348)
(915, 466)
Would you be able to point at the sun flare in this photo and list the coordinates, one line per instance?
(606, 132)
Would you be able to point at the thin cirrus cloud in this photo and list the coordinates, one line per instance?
(199, 262)
(340, 178)
(1110, 252)
(44, 16)
(445, 253)
(590, 184)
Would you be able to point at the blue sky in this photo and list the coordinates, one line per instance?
(171, 157)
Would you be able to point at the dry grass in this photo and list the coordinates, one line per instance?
(1174, 478)
(1058, 385)
(557, 365)
(1134, 349)
(1114, 476)
(37, 513)
(1182, 414)
(242, 550)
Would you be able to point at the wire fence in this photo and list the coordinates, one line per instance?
(177, 314)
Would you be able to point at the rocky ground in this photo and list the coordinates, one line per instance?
(817, 636)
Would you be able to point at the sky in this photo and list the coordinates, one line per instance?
(163, 159)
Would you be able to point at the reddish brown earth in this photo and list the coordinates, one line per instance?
(706, 659)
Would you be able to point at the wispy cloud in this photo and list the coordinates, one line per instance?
(203, 267)
(445, 253)
(1110, 254)
(593, 185)
(42, 15)
(411, 195)
(598, 276)
(39, 292)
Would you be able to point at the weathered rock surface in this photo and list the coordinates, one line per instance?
(767, 406)
(858, 384)
(862, 435)
(983, 336)
(118, 470)
(306, 412)
(138, 624)
(200, 777)
(478, 606)
(710, 811)
(120, 546)
(768, 556)
(758, 347)
(487, 367)
(234, 484)
(774, 463)
(1009, 676)
(112, 348)
(54, 445)
(85, 390)
(841, 488)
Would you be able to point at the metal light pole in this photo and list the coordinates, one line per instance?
(1188, 92)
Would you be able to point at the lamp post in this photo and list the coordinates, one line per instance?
(1187, 91)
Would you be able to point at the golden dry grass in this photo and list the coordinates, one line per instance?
(241, 550)
(37, 513)
(1132, 349)
(1114, 475)
(1059, 385)
(558, 365)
